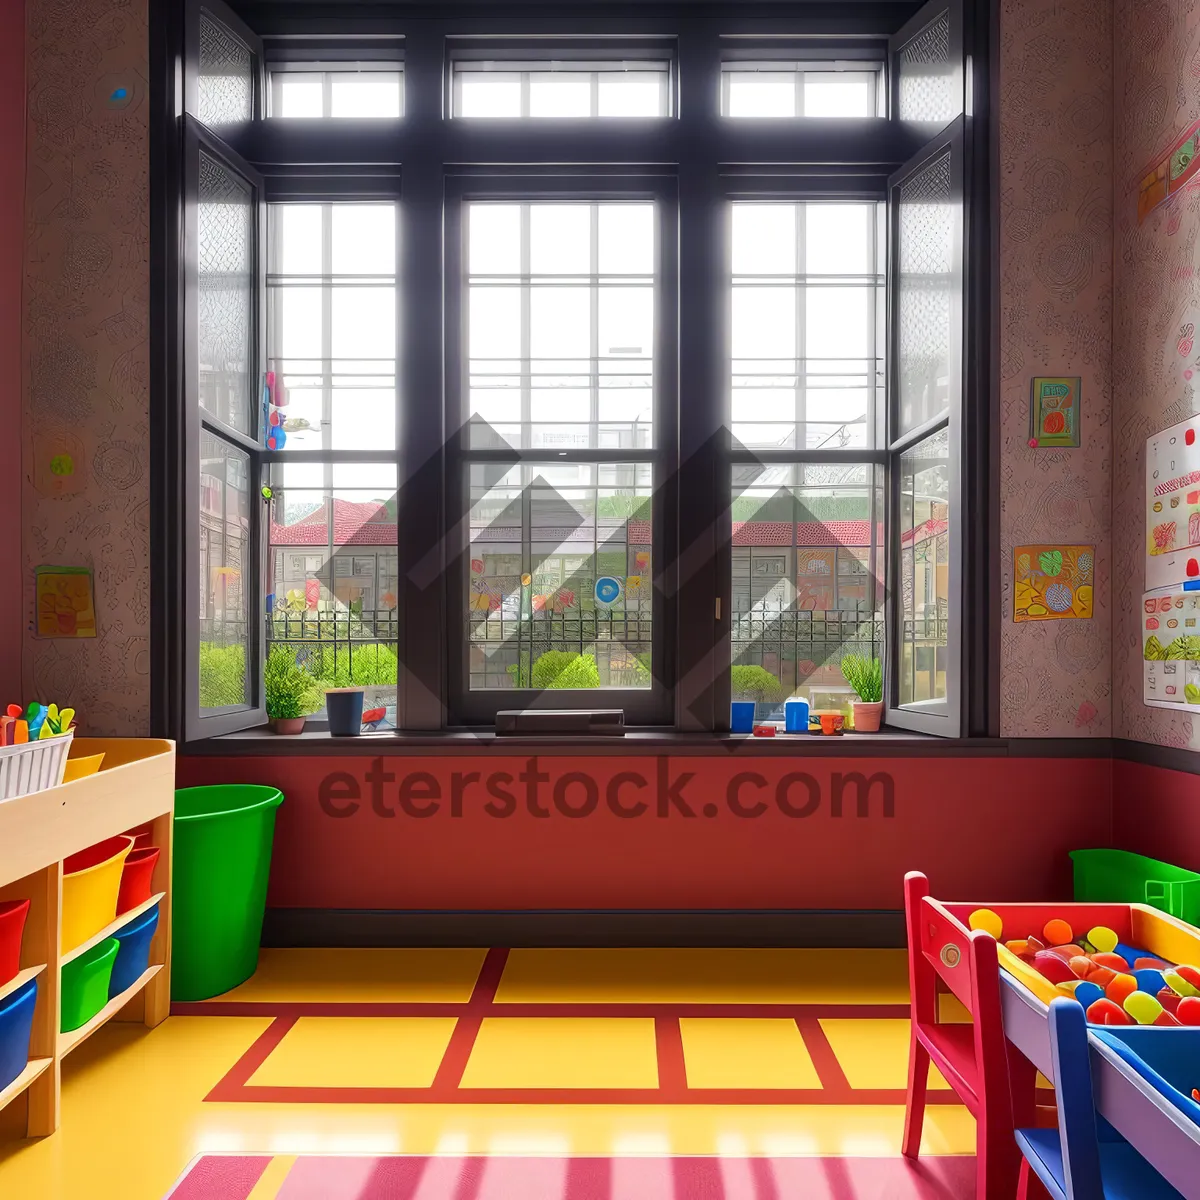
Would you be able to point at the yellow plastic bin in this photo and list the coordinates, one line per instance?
(81, 768)
(91, 884)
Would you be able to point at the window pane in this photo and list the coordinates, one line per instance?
(559, 584)
(580, 91)
(331, 340)
(793, 89)
(561, 355)
(332, 577)
(807, 582)
(225, 84)
(929, 224)
(924, 531)
(225, 581)
(338, 90)
(807, 324)
(225, 251)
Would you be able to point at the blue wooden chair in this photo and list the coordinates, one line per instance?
(1084, 1158)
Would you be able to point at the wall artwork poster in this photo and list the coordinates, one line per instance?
(1054, 412)
(1173, 505)
(65, 602)
(1052, 583)
(1171, 649)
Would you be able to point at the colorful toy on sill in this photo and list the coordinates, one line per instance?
(274, 402)
(35, 723)
(372, 718)
(1115, 984)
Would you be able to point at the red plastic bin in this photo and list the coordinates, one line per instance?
(136, 878)
(12, 924)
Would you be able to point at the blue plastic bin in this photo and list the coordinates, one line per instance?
(134, 955)
(16, 1027)
(1167, 1059)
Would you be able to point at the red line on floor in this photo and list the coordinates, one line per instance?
(672, 1068)
(232, 1085)
(829, 1070)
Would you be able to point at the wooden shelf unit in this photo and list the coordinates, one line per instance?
(134, 787)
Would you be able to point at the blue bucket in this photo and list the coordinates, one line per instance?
(134, 955)
(16, 1028)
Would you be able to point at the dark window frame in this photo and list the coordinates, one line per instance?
(710, 157)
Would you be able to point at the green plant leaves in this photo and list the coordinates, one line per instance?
(865, 676)
(1051, 562)
(1191, 693)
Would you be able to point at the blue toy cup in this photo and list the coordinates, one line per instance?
(741, 717)
(795, 716)
(345, 709)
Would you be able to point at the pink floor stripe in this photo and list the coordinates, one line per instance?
(690, 1178)
(220, 1177)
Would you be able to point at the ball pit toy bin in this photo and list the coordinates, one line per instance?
(133, 956)
(85, 984)
(12, 925)
(16, 1028)
(222, 858)
(136, 878)
(1120, 877)
(90, 886)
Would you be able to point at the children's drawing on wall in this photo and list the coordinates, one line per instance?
(1173, 505)
(1051, 583)
(1054, 412)
(65, 603)
(1171, 648)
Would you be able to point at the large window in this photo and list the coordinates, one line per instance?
(569, 364)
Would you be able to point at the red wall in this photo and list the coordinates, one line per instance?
(1156, 812)
(12, 203)
(980, 828)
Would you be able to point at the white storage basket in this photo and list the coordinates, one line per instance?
(33, 766)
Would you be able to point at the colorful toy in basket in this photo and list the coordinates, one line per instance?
(1115, 983)
(35, 723)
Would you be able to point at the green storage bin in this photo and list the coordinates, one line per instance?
(1119, 877)
(220, 864)
(85, 984)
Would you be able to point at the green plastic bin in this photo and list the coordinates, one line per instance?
(222, 857)
(85, 984)
(1119, 877)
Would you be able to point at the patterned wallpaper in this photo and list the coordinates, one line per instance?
(1157, 293)
(85, 348)
(1056, 293)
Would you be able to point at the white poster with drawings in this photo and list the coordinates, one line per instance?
(1171, 649)
(1173, 505)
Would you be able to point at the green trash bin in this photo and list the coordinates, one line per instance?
(222, 857)
(1121, 877)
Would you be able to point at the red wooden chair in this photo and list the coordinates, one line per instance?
(974, 1058)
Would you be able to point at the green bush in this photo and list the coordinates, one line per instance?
(756, 683)
(222, 675)
(367, 664)
(290, 691)
(556, 669)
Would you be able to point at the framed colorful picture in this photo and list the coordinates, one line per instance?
(1054, 412)
(1051, 583)
(65, 604)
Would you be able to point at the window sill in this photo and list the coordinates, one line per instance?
(888, 743)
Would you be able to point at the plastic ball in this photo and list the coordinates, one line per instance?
(1101, 976)
(1165, 1018)
(1104, 939)
(1052, 967)
(1058, 933)
(1121, 987)
(1143, 1007)
(1150, 964)
(1169, 1000)
(1185, 980)
(988, 921)
(1088, 993)
(1188, 1011)
(1081, 965)
(1149, 981)
(1114, 962)
(1105, 1012)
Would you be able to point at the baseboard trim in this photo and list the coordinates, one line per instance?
(1173, 758)
(292, 927)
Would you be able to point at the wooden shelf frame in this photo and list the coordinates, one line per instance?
(135, 787)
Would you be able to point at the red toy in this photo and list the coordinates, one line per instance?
(973, 1058)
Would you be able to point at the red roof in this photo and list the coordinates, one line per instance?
(354, 524)
(807, 533)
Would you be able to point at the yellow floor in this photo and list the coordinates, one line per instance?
(127, 1086)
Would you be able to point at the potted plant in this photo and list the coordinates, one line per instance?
(291, 694)
(865, 676)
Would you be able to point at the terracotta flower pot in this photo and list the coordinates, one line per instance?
(288, 724)
(867, 716)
